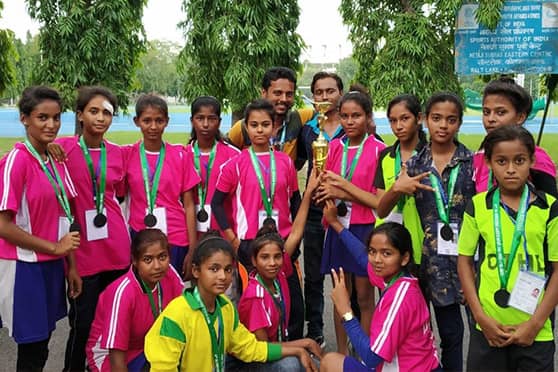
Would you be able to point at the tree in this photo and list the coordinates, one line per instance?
(157, 71)
(402, 46)
(230, 44)
(8, 57)
(89, 42)
(29, 58)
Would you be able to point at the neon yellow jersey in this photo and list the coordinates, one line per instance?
(541, 227)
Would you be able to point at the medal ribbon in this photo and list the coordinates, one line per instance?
(401, 201)
(444, 206)
(354, 163)
(390, 283)
(280, 304)
(217, 341)
(156, 310)
(202, 189)
(282, 139)
(151, 192)
(519, 230)
(267, 199)
(98, 188)
(57, 184)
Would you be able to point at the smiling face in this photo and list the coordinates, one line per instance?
(153, 263)
(497, 111)
(510, 163)
(43, 123)
(152, 122)
(214, 274)
(281, 94)
(206, 123)
(386, 260)
(96, 117)
(259, 126)
(404, 124)
(443, 122)
(268, 261)
(354, 121)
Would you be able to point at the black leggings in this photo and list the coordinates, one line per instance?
(32, 357)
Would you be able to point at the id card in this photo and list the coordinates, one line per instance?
(94, 232)
(203, 226)
(346, 219)
(63, 226)
(262, 216)
(160, 214)
(446, 246)
(527, 291)
(395, 216)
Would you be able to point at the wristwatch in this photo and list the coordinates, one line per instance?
(348, 316)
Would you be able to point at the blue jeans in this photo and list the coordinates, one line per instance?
(450, 327)
(313, 280)
(287, 364)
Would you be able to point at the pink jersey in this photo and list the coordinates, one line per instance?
(363, 176)
(112, 253)
(238, 178)
(400, 330)
(257, 309)
(177, 176)
(223, 152)
(543, 163)
(123, 317)
(26, 191)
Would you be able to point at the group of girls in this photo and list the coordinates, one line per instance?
(428, 224)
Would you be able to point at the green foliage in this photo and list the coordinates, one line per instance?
(402, 46)
(8, 58)
(231, 43)
(488, 13)
(86, 42)
(29, 59)
(157, 71)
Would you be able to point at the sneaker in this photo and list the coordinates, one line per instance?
(320, 340)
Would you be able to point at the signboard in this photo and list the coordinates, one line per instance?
(525, 40)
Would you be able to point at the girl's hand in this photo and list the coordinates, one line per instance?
(523, 335)
(57, 152)
(334, 179)
(339, 294)
(330, 212)
(495, 333)
(313, 348)
(68, 243)
(328, 191)
(187, 267)
(313, 181)
(75, 283)
(408, 185)
(306, 361)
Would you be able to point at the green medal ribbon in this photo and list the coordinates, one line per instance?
(98, 187)
(354, 163)
(519, 230)
(217, 341)
(280, 304)
(402, 198)
(267, 199)
(57, 184)
(151, 191)
(202, 189)
(156, 310)
(444, 206)
(391, 281)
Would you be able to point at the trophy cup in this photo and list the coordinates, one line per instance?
(320, 145)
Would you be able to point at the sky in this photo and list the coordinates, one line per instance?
(324, 34)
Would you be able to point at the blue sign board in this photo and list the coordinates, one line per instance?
(525, 40)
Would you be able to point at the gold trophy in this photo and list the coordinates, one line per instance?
(320, 145)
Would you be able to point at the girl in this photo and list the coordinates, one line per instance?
(130, 305)
(445, 166)
(264, 307)
(507, 103)
(161, 178)
(404, 113)
(400, 334)
(197, 329)
(350, 162)
(209, 152)
(512, 225)
(264, 188)
(37, 229)
(97, 167)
